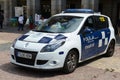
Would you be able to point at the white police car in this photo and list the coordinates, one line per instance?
(64, 40)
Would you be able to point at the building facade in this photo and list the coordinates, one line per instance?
(51, 7)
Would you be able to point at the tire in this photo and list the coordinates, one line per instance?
(70, 62)
(111, 49)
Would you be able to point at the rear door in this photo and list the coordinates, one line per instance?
(102, 27)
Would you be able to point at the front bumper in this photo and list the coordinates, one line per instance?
(49, 60)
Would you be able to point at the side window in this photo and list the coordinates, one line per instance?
(101, 22)
(89, 22)
(88, 25)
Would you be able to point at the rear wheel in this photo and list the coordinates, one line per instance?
(70, 62)
(111, 49)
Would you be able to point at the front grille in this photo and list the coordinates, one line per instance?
(25, 60)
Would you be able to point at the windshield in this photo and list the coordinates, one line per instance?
(60, 24)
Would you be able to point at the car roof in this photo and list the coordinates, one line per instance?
(79, 14)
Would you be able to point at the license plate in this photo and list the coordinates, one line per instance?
(24, 55)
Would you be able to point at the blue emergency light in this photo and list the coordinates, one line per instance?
(78, 11)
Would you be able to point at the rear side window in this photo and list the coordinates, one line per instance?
(101, 22)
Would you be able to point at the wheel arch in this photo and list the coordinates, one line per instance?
(107, 53)
(77, 52)
(110, 42)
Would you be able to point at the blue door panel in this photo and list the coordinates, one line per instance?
(94, 43)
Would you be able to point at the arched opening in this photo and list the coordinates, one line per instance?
(73, 4)
(21, 2)
(45, 6)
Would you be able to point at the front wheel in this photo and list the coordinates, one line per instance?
(70, 62)
(111, 49)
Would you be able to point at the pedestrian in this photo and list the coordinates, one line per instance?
(20, 23)
(31, 22)
(1, 20)
(37, 18)
(42, 20)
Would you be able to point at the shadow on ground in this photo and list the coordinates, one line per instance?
(14, 29)
(22, 71)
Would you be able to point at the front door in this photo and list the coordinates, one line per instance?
(89, 43)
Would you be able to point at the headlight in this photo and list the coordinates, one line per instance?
(53, 46)
(14, 42)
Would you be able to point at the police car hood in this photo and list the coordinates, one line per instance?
(40, 37)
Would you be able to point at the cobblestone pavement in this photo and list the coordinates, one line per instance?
(99, 68)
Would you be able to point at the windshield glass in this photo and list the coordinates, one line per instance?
(60, 24)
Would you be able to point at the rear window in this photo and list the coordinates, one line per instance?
(101, 22)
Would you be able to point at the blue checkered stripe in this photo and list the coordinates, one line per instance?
(103, 41)
(45, 39)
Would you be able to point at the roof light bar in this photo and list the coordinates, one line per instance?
(79, 11)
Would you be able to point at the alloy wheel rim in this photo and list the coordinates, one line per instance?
(71, 62)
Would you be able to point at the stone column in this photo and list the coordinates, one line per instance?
(33, 7)
(53, 7)
(85, 3)
(61, 5)
(57, 6)
(2, 4)
(90, 4)
(30, 7)
(10, 10)
(6, 13)
(37, 7)
(94, 5)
